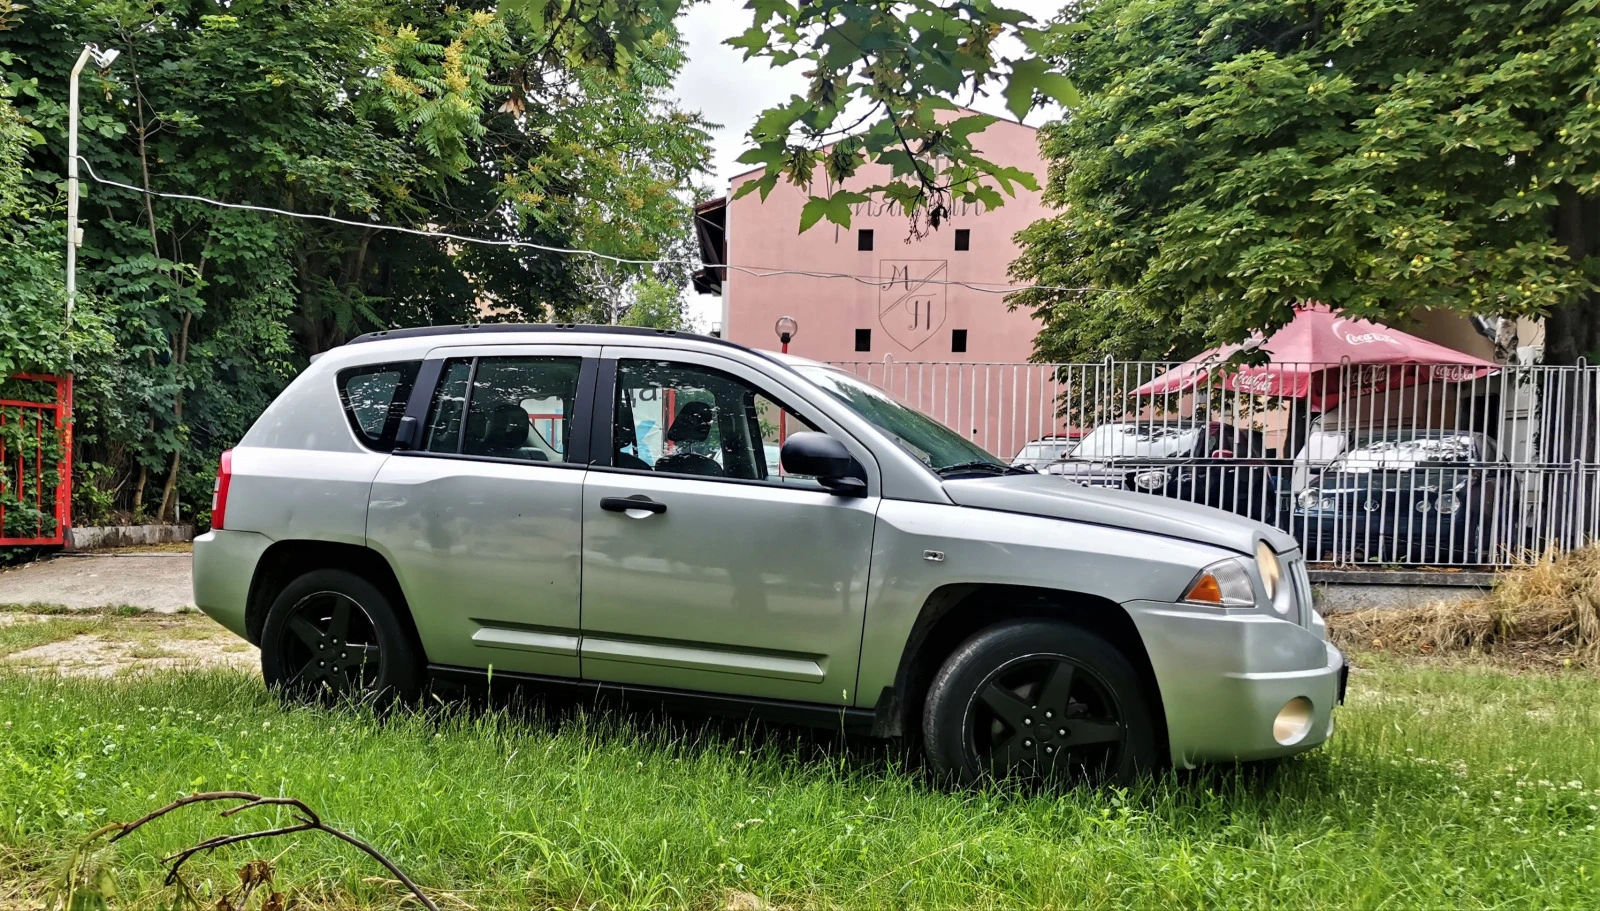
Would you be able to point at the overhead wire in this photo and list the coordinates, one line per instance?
(754, 271)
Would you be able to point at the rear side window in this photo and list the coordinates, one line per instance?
(515, 408)
(374, 399)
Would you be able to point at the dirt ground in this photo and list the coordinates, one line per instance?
(158, 581)
(122, 645)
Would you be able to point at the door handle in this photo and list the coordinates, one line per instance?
(637, 501)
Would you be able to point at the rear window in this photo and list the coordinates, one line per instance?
(375, 399)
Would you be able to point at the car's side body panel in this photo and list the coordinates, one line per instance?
(722, 592)
(488, 550)
(487, 554)
(329, 499)
(919, 548)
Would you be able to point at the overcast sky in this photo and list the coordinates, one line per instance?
(730, 92)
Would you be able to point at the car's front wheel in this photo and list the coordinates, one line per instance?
(331, 635)
(1039, 699)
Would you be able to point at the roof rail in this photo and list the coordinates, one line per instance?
(496, 328)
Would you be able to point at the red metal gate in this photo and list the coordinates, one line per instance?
(25, 469)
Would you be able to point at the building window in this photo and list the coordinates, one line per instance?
(864, 239)
(863, 339)
(958, 341)
(963, 239)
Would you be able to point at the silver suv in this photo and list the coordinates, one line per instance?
(595, 506)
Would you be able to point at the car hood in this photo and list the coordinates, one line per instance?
(1058, 498)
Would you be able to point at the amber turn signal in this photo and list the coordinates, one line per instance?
(1206, 590)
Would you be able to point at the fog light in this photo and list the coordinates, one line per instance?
(1293, 722)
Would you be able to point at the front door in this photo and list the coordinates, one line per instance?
(483, 521)
(704, 566)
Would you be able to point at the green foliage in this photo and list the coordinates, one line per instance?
(465, 119)
(881, 79)
(656, 305)
(1236, 157)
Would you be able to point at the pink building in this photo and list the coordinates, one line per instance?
(914, 314)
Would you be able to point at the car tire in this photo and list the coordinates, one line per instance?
(332, 635)
(998, 709)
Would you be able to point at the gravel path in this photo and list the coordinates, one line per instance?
(158, 582)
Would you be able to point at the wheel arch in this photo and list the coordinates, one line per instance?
(285, 561)
(953, 613)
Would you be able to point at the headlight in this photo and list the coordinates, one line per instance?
(1222, 584)
(1272, 577)
(1447, 503)
(1150, 480)
(1423, 505)
(1308, 498)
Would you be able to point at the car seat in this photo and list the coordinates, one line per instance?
(692, 425)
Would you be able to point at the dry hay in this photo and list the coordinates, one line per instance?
(1544, 613)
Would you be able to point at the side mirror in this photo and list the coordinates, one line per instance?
(824, 458)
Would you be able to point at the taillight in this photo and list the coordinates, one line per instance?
(219, 494)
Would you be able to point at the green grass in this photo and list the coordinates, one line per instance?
(1442, 789)
(42, 608)
(16, 637)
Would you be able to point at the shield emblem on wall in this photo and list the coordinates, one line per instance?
(911, 300)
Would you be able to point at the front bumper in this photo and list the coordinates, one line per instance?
(224, 564)
(1226, 675)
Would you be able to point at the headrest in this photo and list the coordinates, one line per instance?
(693, 423)
(505, 427)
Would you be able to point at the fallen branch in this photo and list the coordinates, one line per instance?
(305, 820)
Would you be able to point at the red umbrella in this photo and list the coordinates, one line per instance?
(1322, 356)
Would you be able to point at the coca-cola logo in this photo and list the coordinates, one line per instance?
(1344, 329)
(1454, 373)
(1262, 383)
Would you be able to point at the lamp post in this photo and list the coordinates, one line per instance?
(103, 59)
(787, 328)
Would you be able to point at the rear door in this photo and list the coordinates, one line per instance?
(726, 576)
(482, 520)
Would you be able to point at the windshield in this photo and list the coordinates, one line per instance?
(1050, 451)
(936, 445)
(1145, 441)
(1404, 451)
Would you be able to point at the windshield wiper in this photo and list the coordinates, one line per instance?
(995, 467)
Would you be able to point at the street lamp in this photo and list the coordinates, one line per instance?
(787, 329)
(102, 59)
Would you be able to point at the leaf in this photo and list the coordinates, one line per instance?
(835, 208)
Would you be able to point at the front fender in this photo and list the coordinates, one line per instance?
(919, 548)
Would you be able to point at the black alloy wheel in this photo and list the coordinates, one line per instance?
(1041, 700)
(330, 646)
(1045, 716)
(332, 635)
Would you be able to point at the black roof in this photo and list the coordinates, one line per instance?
(495, 328)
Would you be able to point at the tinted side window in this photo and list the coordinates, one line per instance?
(374, 399)
(676, 418)
(521, 407)
(449, 403)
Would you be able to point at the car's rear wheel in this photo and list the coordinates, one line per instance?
(1036, 699)
(333, 635)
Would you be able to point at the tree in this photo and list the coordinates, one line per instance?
(460, 118)
(883, 75)
(1233, 159)
(657, 305)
